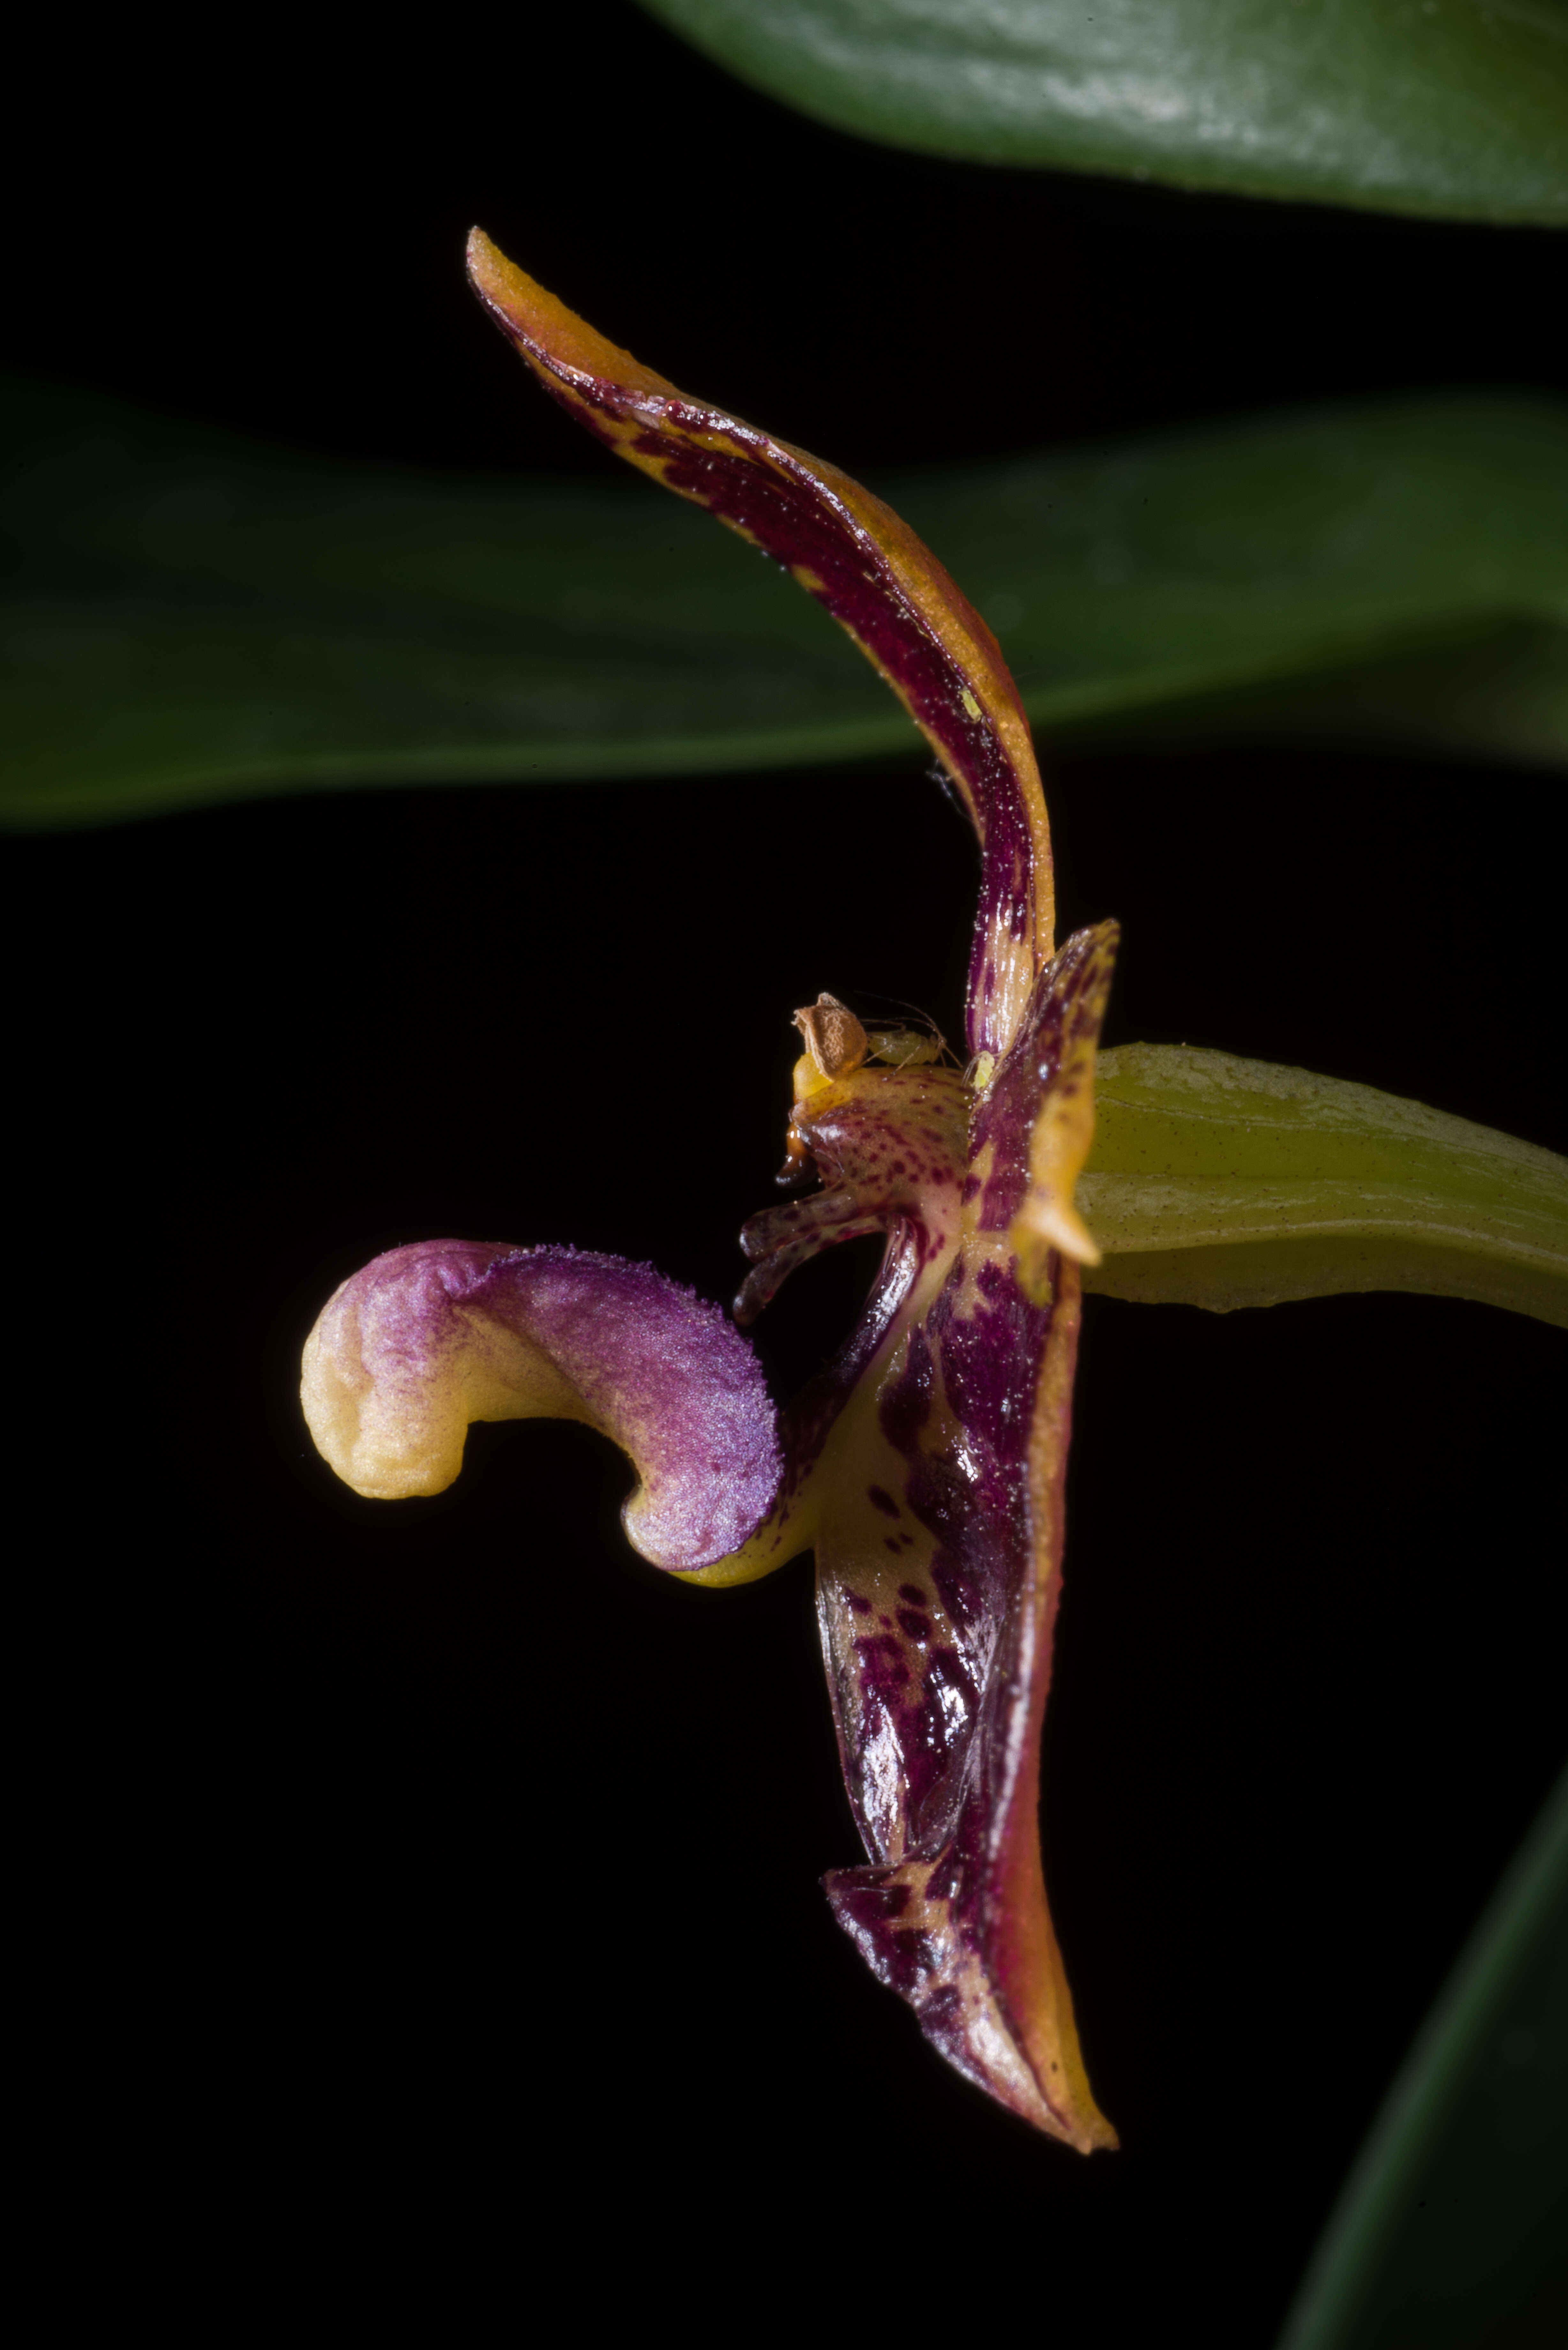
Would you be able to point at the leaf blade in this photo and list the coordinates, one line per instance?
(1444, 2232)
(1458, 110)
(196, 616)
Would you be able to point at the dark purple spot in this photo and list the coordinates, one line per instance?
(884, 1671)
(945, 1877)
(956, 1590)
(906, 1404)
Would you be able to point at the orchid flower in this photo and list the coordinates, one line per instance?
(924, 1466)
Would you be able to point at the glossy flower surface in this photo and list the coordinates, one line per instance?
(925, 1466)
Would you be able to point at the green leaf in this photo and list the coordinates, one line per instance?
(1449, 2235)
(192, 615)
(1222, 1182)
(1453, 107)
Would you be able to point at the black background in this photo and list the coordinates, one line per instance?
(447, 1844)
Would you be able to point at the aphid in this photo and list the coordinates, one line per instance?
(904, 1048)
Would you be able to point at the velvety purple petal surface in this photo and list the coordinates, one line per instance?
(426, 1338)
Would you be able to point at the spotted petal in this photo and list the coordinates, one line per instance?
(856, 558)
(939, 1530)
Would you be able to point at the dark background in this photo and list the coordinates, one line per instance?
(446, 1845)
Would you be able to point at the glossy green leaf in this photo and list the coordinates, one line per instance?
(1452, 107)
(191, 616)
(1222, 1182)
(1449, 2234)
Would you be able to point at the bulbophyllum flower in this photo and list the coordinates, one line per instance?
(924, 1467)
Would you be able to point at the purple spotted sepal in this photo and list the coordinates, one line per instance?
(931, 1458)
(867, 567)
